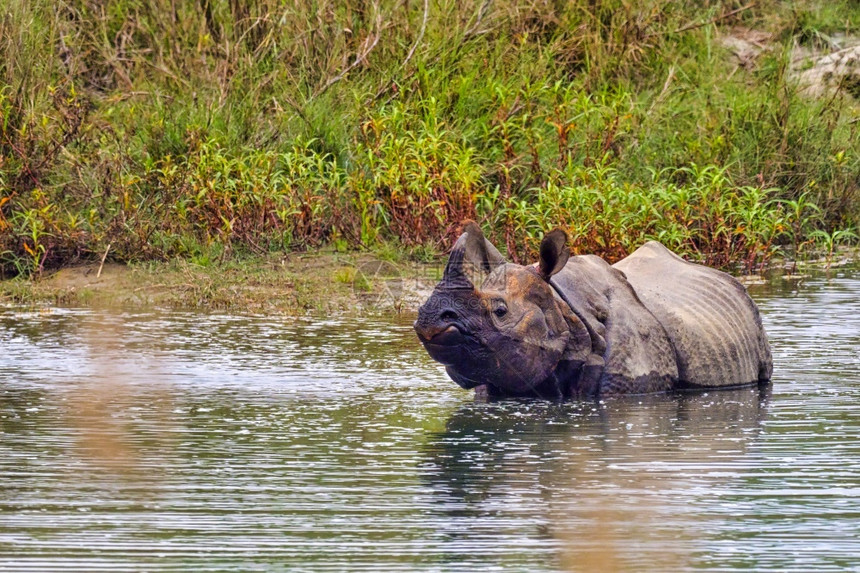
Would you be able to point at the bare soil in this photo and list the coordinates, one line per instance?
(297, 284)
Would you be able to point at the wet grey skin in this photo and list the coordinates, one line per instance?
(579, 327)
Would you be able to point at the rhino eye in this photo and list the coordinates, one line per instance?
(501, 310)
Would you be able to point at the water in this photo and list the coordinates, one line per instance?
(161, 441)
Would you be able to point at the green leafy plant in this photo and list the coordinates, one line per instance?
(172, 130)
(830, 240)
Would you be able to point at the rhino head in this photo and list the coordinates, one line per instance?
(510, 333)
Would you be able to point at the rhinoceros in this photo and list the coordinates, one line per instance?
(579, 327)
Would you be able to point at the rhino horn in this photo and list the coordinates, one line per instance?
(474, 249)
(455, 275)
(479, 251)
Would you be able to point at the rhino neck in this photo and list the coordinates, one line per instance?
(555, 387)
(582, 363)
(586, 336)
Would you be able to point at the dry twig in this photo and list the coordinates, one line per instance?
(728, 14)
(359, 59)
(102, 265)
(420, 34)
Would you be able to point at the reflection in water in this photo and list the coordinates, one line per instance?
(615, 480)
(180, 441)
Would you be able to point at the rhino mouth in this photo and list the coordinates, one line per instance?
(450, 336)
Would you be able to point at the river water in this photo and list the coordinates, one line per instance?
(162, 441)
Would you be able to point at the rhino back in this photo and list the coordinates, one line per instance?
(629, 343)
(710, 318)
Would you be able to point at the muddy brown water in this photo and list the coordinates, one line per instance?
(166, 441)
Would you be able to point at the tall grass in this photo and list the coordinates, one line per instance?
(164, 128)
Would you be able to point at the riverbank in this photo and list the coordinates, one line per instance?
(317, 283)
(169, 131)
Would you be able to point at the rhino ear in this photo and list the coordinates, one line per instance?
(479, 251)
(553, 253)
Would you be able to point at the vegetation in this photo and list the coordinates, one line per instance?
(199, 129)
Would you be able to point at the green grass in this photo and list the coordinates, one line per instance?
(207, 130)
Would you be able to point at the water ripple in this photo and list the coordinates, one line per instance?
(169, 441)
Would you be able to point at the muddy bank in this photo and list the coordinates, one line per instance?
(308, 283)
(298, 284)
